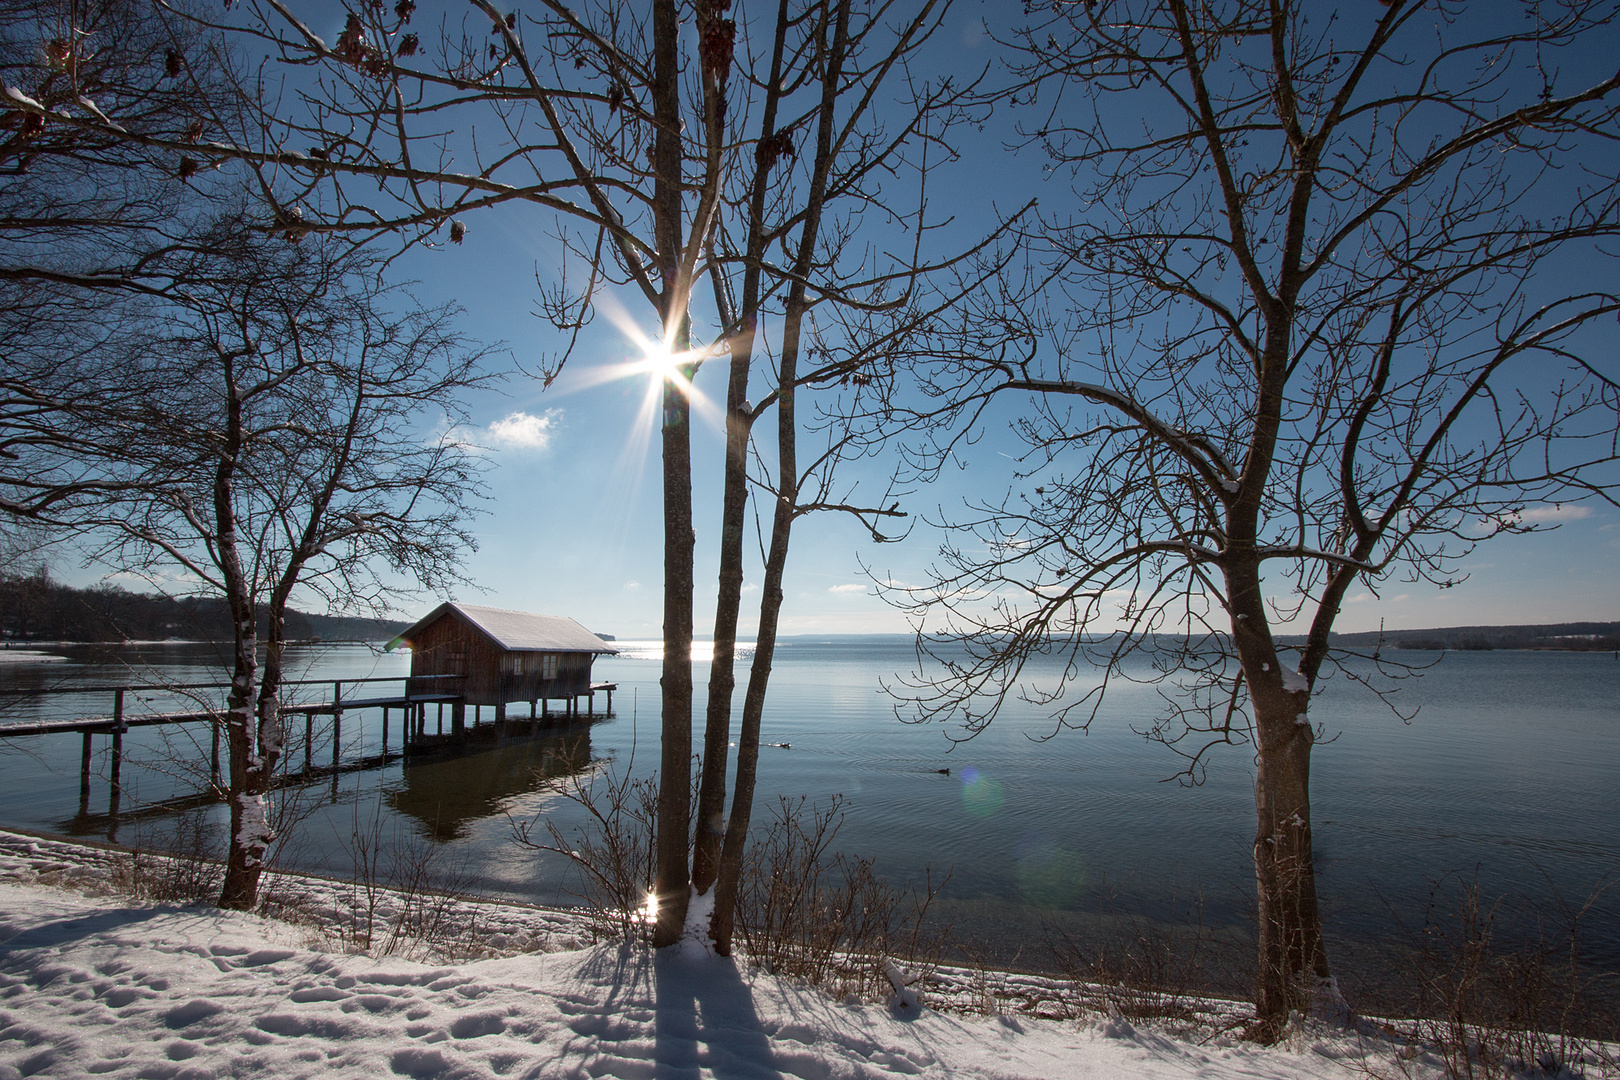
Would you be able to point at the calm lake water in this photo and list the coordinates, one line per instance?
(1508, 776)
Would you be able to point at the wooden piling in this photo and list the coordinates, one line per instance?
(337, 723)
(117, 741)
(115, 796)
(84, 776)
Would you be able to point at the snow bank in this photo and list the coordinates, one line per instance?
(94, 986)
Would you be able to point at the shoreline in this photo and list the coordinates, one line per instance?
(504, 928)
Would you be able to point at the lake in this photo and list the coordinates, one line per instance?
(1506, 777)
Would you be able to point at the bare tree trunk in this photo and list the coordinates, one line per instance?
(240, 889)
(675, 783)
(675, 779)
(1292, 957)
(723, 922)
(247, 840)
(711, 826)
(260, 775)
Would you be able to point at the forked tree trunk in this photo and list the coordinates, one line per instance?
(1293, 964)
(252, 803)
(249, 830)
(722, 923)
(711, 824)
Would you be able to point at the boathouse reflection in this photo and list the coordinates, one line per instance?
(448, 793)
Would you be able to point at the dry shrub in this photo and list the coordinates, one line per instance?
(404, 896)
(613, 850)
(186, 868)
(1126, 964)
(826, 918)
(1484, 1002)
(802, 911)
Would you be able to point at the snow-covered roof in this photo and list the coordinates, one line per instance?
(520, 631)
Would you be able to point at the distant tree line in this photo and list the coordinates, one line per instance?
(33, 607)
(1575, 636)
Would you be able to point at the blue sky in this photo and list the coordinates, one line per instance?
(574, 521)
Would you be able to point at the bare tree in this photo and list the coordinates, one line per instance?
(277, 448)
(847, 323)
(641, 134)
(189, 391)
(88, 219)
(605, 123)
(1324, 308)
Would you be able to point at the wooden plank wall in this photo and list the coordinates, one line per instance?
(449, 646)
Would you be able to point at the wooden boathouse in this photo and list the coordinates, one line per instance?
(461, 654)
(500, 656)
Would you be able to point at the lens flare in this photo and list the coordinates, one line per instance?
(981, 795)
(650, 356)
(1048, 875)
(644, 365)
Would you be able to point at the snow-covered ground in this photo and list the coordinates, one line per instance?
(95, 985)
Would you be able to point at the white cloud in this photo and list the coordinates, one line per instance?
(632, 585)
(522, 431)
(1556, 512)
(750, 587)
(851, 588)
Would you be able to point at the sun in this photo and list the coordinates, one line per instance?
(658, 360)
(651, 361)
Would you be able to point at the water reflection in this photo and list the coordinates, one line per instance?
(446, 791)
(449, 792)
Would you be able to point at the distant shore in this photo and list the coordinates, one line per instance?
(1549, 637)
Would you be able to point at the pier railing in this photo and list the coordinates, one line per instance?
(418, 692)
(412, 702)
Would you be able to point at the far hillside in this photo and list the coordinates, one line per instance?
(35, 608)
(1577, 636)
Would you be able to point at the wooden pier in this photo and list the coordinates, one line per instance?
(413, 706)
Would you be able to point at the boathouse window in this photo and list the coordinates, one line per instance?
(548, 666)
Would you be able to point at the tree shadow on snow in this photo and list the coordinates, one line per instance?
(59, 932)
(706, 1019)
